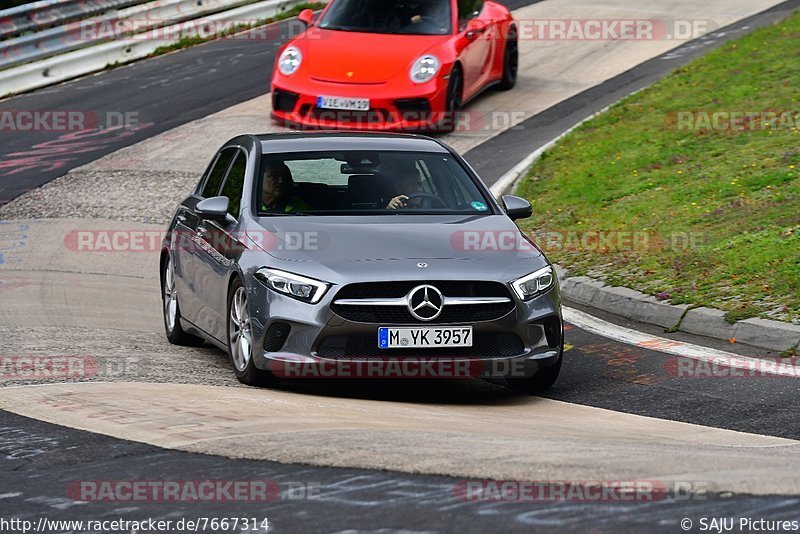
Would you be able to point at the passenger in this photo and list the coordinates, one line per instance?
(276, 190)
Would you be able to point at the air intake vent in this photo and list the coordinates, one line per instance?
(276, 336)
(552, 331)
(283, 101)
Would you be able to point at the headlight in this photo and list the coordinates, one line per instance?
(289, 61)
(294, 285)
(533, 284)
(424, 69)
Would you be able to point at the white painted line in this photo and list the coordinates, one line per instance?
(592, 324)
(65, 383)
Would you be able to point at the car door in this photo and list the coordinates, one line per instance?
(475, 46)
(188, 223)
(218, 246)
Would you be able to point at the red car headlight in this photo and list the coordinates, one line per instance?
(425, 68)
(289, 61)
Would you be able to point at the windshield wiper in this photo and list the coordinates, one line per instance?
(284, 213)
(344, 29)
(380, 31)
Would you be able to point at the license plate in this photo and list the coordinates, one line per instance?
(424, 337)
(336, 102)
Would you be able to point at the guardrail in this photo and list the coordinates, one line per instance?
(87, 60)
(38, 15)
(88, 32)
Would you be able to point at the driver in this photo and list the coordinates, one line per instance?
(436, 13)
(406, 184)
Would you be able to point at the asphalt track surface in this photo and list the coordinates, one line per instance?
(39, 459)
(764, 406)
(350, 500)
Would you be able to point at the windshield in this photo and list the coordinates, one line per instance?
(417, 17)
(367, 183)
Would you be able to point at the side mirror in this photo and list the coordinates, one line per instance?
(516, 207)
(214, 208)
(475, 27)
(306, 17)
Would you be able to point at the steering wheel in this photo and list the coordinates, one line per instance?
(428, 200)
(426, 25)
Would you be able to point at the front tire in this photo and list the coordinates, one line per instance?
(510, 61)
(541, 381)
(240, 340)
(452, 105)
(172, 310)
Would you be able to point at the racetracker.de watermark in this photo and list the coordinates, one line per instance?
(596, 241)
(605, 491)
(152, 29)
(185, 240)
(61, 120)
(603, 29)
(33, 368)
(407, 367)
(727, 367)
(732, 120)
(191, 490)
(48, 368)
(419, 121)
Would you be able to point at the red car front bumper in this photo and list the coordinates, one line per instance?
(418, 108)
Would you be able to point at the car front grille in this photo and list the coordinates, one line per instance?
(361, 346)
(401, 315)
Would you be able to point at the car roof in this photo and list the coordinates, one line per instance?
(332, 141)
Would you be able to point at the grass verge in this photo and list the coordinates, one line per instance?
(695, 212)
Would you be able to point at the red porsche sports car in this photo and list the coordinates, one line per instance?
(393, 64)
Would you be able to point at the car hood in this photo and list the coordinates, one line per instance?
(331, 240)
(353, 57)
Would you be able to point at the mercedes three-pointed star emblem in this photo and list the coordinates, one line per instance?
(425, 302)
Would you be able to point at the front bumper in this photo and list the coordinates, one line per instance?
(393, 106)
(310, 341)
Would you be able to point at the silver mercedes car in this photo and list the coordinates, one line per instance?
(358, 255)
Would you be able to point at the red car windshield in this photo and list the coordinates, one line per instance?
(417, 17)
